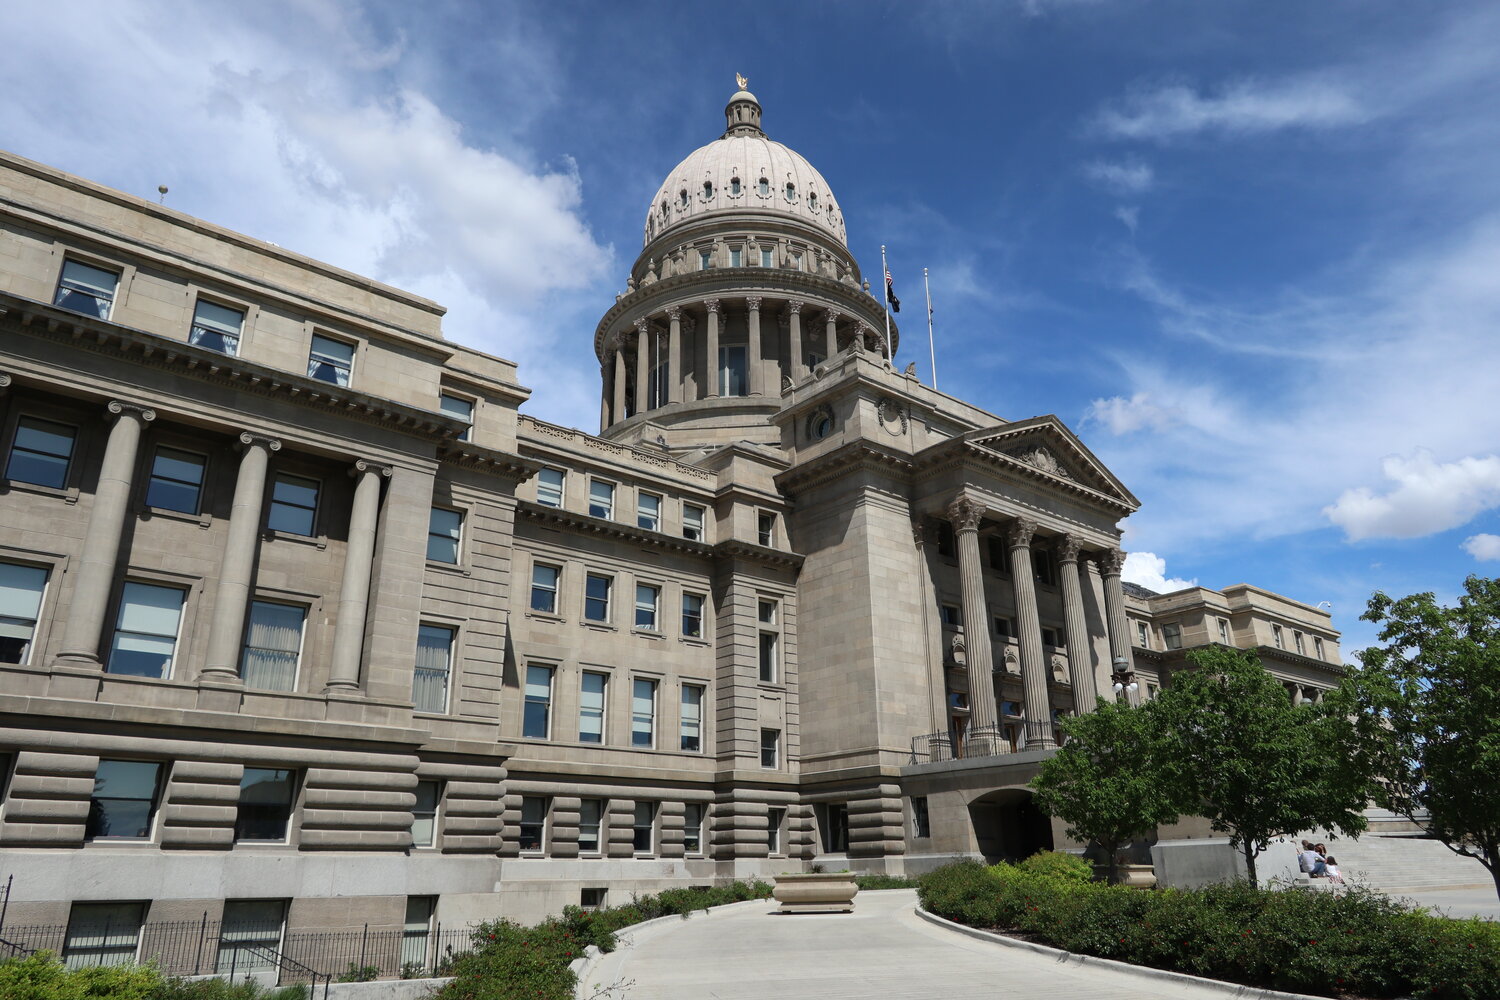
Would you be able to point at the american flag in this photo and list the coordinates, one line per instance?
(890, 292)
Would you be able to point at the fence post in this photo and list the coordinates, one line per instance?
(363, 942)
(432, 951)
(234, 960)
(5, 900)
(202, 934)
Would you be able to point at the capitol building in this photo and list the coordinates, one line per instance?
(303, 619)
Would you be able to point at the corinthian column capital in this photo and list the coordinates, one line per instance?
(1111, 562)
(794, 306)
(674, 313)
(752, 302)
(712, 305)
(1068, 548)
(966, 513)
(1020, 532)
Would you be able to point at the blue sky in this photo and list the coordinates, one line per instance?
(1249, 251)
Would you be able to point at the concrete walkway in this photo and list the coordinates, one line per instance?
(881, 950)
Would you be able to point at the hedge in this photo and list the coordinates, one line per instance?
(42, 977)
(1358, 942)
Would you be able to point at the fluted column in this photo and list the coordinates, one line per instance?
(752, 347)
(1111, 564)
(966, 515)
(830, 332)
(674, 354)
(642, 365)
(603, 398)
(237, 567)
(620, 380)
(354, 595)
(1080, 657)
(798, 368)
(1029, 631)
(711, 383)
(95, 575)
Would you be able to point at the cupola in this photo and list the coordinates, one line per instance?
(742, 113)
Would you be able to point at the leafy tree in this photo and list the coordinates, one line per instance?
(1427, 704)
(1255, 765)
(1109, 782)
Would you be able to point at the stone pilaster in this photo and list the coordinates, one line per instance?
(1111, 564)
(354, 595)
(1080, 657)
(831, 332)
(642, 365)
(1034, 672)
(603, 398)
(797, 369)
(711, 382)
(620, 379)
(674, 354)
(923, 537)
(966, 515)
(752, 348)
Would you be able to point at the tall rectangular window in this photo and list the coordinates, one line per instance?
(692, 828)
(21, 589)
(462, 409)
(1224, 631)
(102, 934)
(765, 256)
(765, 528)
(544, 587)
(775, 817)
(124, 799)
(1317, 644)
(41, 453)
(273, 645)
(770, 748)
(596, 598)
(601, 499)
(250, 936)
(1142, 635)
(590, 817)
(536, 713)
(1171, 635)
(643, 713)
(1276, 637)
(176, 481)
(921, 826)
(647, 601)
(951, 615)
(1044, 568)
(549, 487)
(265, 806)
(294, 504)
(834, 826)
(217, 328)
(429, 683)
(86, 289)
(735, 256)
(643, 828)
(443, 528)
(692, 718)
(692, 615)
(705, 259)
(424, 814)
(648, 511)
(769, 640)
(1297, 641)
(416, 934)
(330, 360)
(692, 522)
(146, 630)
(733, 371)
(1002, 628)
(533, 822)
(591, 701)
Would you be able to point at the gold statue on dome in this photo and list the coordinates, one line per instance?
(739, 79)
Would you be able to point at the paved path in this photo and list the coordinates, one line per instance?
(1455, 902)
(882, 950)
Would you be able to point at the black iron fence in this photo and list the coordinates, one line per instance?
(976, 741)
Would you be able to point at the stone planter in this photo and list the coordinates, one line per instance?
(816, 892)
(1135, 876)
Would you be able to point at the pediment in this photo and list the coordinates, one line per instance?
(1045, 446)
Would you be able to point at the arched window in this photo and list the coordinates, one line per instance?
(734, 186)
(682, 197)
(812, 200)
(664, 208)
(791, 191)
(708, 189)
(765, 188)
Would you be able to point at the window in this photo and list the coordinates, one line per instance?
(102, 934)
(920, 825)
(536, 718)
(732, 371)
(86, 289)
(601, 499)
(1171, 635)
(416, 933)
(549, 487)
(791, 191)
(643, 713)
(294, 504)
(596, 598)
(591, 707)
(443, 527)
(1276, 637)
(265, 808)
(217, 328)
(250, 936)
(533, 822)
(424, 814)
(1049, 637)
(765, 528)
(1297, 641)
(643, 827)
(273, 645)
(590, 815)
(951, 615)
(1224, 631)
(463, 409)
(124, 799)
(999, 560)
(766, 258)
(330, 360)
(41, 453)
(708, 189)
(770, 748)
(590, 899)
(768, 643)
(146, 630)
(946, 545)
(692, 828)
(1317, 644)
(544, 587)
(1044, 567)
(734, 256)
(774, 819)
(734, 186)
(682, 198)
(648, 511)
(1003, 629)
(796, 256)
(1142, 635)
(21, 589)
(176, 480)
(835, 827)
(429, 683)
(647, 599)
(692, 522)
(705, 259)
(812, 200)
(691, 720)
(692, 615)
(764, 186)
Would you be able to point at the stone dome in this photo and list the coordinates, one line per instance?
(744, 171)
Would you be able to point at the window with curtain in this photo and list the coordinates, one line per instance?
(250, 936)
(591, 707)
(273, 645)
(648, 511)
(102, 934)
(21, 589)
(424, 814)
(536, 721)
(692, 615)
(692, 522)
(691, 718)
(647, 600)
(86, 289)
(145, 639)
(434, 664)
(601, 499)
(41, 453)
(330, 360)
(544, 587)
(643, 713)
(416, 933)
(549, 487)
(692, 828)
(217, 328)
(533, 822)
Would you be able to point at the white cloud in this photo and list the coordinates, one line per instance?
(1122, 177)
(1429, 497)
(1149, 570)
(1248, 106)
(1121, 415)
(1485, 548)
(1129, 216)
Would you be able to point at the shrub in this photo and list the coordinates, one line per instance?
(43, 977)
(1059, 865)
(876, 881)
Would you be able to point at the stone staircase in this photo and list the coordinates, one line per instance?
(1395, 863)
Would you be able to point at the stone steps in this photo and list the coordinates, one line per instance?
(1395, 863)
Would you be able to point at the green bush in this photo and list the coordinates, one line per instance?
(43, 977)
(1057, 864)
(884, 882)
(1357, 942)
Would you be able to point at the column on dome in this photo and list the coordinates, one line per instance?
(830, 332)
(966, 515)
(711, 350)
(1080, 655)
(603, 398)
(754, 369)
(1111, 564)
(1029, 631)
(797, 367)
(237, 565)
(642, 365)
(619, 352)
(354, 593)
(674, 354)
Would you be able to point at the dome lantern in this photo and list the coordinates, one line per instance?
(742, 113)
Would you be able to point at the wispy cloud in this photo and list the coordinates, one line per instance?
(1248, 106)
(1124, 177)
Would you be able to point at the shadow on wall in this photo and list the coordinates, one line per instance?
(1008, 826)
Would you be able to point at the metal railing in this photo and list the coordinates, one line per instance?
(283, 966)
(977, 741)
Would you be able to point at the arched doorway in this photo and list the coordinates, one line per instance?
(1008, 826)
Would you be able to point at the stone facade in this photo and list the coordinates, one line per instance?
(301, 607)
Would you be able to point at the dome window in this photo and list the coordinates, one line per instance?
(682, 197)
(708, 190)
(765, 188)
(664, 208)
(791, 191)
(812, 201)
(734, 187)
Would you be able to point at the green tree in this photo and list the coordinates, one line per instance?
(1110, 781)
(1255, 765)
(1427, 703)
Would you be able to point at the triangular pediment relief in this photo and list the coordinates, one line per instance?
(1044, 445)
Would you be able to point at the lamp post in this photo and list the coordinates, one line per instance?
(1124, 680)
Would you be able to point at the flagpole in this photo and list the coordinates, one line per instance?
(885, 294)
(931, 350)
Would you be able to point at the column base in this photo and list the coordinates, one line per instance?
(76, 678)
(219, 695)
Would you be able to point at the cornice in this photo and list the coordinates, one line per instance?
(734, 549)
(966, 454)
(861, 454)
(504, 464)
(585, 524)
